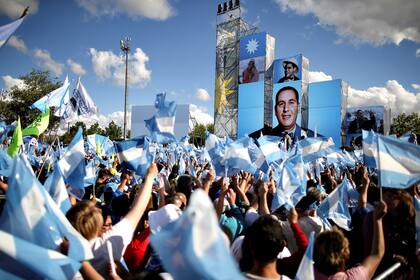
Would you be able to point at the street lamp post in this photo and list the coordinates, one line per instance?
(125, 47)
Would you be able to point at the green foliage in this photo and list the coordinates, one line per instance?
(198, 134)
(113, 131)
(37, 85)
(404, 123)
(68, 136)
(95, 129)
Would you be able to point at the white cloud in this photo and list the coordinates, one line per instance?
(392, 95)
(416, 86)
(318, 76)
(152, 9)
(103, 120)
(9, 82)
(18, 44)
(200, 116)
(76, 68)
(418, 53)
(375, 21)
(44, 60)
(108, 65)
(14, 8)
(202, 94)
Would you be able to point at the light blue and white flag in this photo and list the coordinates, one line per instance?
(102, 143)
(334, 207)
(292, 185)
(258, 159)
(237, 158)
(134, 155)
(58, 98)
(26, 260)
(7, 30)
(161, 125)
(56, 187)
(90, 177)
(399, 163)
(80, 104)
(216, 149)
(193, 246)
(72, 165)
(370, 148)
(191, 168)
(306, 267)
(314, 148)
(32, 215)
(269, 146)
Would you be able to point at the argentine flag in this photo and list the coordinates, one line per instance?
(193, 247)
(398, 163)
(161, 125)
(133, 154)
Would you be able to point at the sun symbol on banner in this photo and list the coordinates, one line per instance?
(252, 46)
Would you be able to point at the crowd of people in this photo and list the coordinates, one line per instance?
(267, 242)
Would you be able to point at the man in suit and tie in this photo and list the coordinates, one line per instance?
(286, 109)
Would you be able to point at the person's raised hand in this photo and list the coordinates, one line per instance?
(231, 196)
(152, 171)
(293, 216)
(380, 210)
(262, 188)
(365, 178)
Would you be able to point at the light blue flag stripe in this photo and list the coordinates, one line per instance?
(399, 163)
(306, 267)
(5, 164)
(31, 214)
(161, 125)
(237, 156)
(72, 165)
(7, 30)
(56, 187)
(314, 148)
(370, 151)
(29, 261)
(334, 207)
(192, 247)
(292, 185)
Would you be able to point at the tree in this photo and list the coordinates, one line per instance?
(113, 131)
(68, 136)
(404, 123)
(198, 134)
(95, 129)
(19, 99)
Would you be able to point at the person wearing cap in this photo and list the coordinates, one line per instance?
(250, 74)
(290, 70)
(286, 109)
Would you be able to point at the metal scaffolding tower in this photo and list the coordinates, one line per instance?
(230, 27)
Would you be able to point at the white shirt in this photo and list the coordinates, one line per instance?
(120, 236)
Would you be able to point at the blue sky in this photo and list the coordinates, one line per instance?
(373, 47)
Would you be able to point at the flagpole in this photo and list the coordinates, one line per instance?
(379, 169)
(125, 47)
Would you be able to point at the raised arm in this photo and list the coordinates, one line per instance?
(371, 262)
(143, 196)
(364, 191)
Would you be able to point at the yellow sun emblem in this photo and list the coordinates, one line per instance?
(222, 91)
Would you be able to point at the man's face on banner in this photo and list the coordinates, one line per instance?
(289, 70)
(287, 108)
